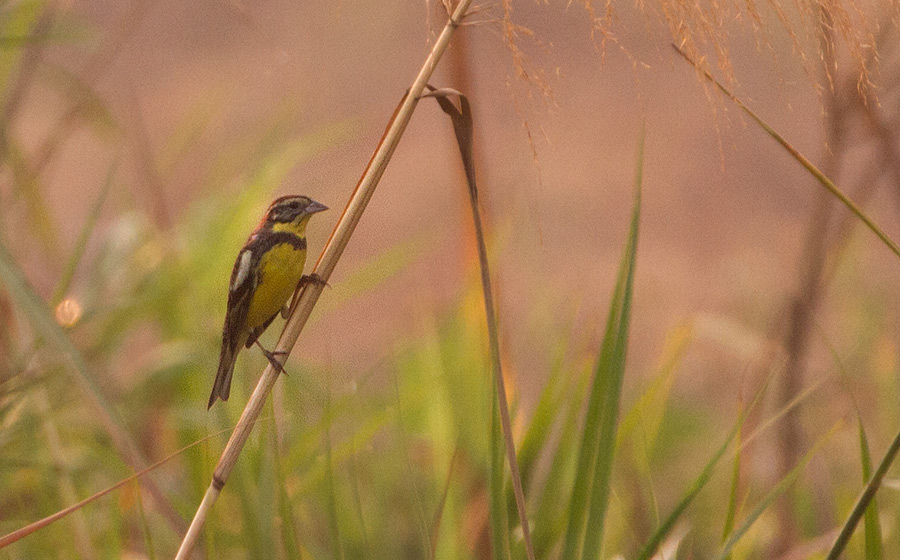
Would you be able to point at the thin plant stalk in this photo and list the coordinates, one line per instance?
(309, 295)
(462, 125)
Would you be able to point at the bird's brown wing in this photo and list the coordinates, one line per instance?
(244, 280)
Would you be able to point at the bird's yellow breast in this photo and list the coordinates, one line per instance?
(280, 268)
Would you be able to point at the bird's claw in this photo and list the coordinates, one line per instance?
(312, 279)
(273, 358)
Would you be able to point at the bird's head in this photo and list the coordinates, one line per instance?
(291, 212)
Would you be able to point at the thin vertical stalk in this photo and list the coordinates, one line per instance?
(498, 378)
(309, 295)
(463, 127)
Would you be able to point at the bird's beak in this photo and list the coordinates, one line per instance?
(314, 207)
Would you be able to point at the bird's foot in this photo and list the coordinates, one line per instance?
(312, 279)
(273, 358)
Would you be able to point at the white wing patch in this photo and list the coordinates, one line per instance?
(243, 269)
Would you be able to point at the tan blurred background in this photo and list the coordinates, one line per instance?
(724, 207)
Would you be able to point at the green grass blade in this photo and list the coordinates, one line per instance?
(41, 317)
(27, 185)
(865, 498)
(357, 498)
(498, 515)
(145, 526)
(666, 526)
(731, 512)
(872, 526)
(773, 494)
(551, 512)
(646, 415)
(290, 539)
(639, 429)
(609, 421)
(337, 540)
(539, 429)
(584, 477)
(439, 513)
(30, 529)
(590, 493)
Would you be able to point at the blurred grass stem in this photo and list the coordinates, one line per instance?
(335, 246)
(462, 126)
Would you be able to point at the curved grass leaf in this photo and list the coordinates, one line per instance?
(864, 499)
(666, 526)
(498, 515)
(41, 317)
(731, 512)
(551, 511)
(10, 538)
(872, 526)
(590, 494)
(773, 494)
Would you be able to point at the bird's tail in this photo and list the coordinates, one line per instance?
(222, 386)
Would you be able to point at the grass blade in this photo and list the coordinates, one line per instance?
(638, 431)
(864, 499)
(337, 539)
(439, 513)
(872, 526)
(662, 532)
(731, 512)
(463, 129)
(613, 381)
(646, 415)
(290, 539)
(666, 526)
(590, 493)
(539, 429)
(773, 494)
(145, 526)
(550, 507)
(498, 516)
(10, 538)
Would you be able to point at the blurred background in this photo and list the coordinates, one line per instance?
(141, 142)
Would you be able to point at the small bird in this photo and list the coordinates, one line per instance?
(267, 271)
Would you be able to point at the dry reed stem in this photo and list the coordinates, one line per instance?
(462, 125)
(309, 295)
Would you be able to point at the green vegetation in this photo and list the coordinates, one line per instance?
(108, 370)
